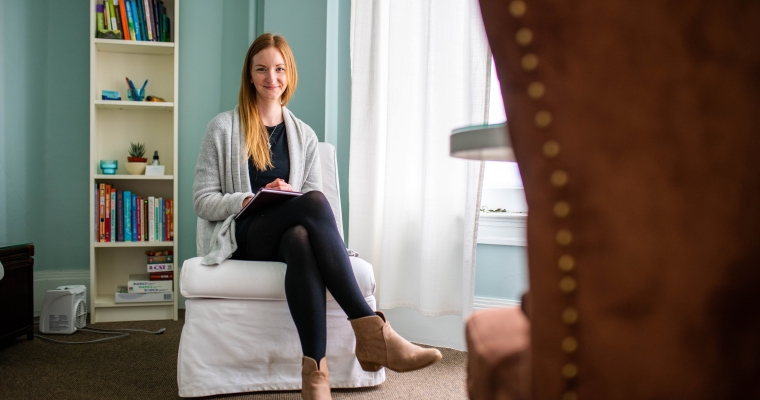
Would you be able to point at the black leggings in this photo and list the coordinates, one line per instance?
(302, 233)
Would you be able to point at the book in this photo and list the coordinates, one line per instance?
(159, 252)
(102, 212)
(162, 267)
(151, 219)
(145, 220)
(143, 297)
(96, 207)
(133, 220)
(141, 283)
(265, 198)
(136, 18)
(112, 15)
(161, 276)
(160, 259)
(141, 17)
(148, 21)
(119, 216)
(123, 18)
(168, 220)
(138, 206)
(156, 18)
(107, 211)
(127, 216)
(113, 214)
(130, 20)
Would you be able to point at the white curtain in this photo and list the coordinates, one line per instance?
(419, 70)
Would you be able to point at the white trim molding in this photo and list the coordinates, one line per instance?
(487, 303)
(506, 229)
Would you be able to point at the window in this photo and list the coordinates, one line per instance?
(502, 185)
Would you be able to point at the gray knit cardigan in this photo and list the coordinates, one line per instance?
(222, 180)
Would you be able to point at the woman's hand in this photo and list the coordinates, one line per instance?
(247, 200)
(279, 184)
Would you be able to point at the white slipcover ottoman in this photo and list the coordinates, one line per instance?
(239, 336)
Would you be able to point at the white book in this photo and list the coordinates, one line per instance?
(163, 267)
(141, 283)
(151, 219)
(143, 297)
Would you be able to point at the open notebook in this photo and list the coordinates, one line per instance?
(266, 198)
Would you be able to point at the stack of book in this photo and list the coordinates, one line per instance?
(144, 20)
(123, 216)
(156, 285)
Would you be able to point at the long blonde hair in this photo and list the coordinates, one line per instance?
(256, 135)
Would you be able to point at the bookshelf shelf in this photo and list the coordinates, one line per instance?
(106, 301)
(114, 125)
(134, 105)
(134, 47)
(147, 245)
(135, 177)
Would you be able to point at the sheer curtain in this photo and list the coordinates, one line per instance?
(419, 70)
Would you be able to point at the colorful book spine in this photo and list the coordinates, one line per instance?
(160, 259)
(151, 219)
(136, 19)
(127, 216)
(167, 219)
(130, 20)
(123, 18)
(120, 216)
(113, 215)
(161, 276)
(156, 19)
(141, 18)
(96, 207)
(106, 15)
(138, 206)
(145, 220)
(112, 15)
(161, 267)
(156, 253)
(99, 17)
(148, 21)
(107, 212)
(102, 212)
(133, 209)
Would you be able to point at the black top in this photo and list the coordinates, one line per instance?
(278, 141)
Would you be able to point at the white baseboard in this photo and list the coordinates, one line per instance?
(487, 303)
(49, 280)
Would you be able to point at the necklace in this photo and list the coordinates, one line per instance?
(274, 130)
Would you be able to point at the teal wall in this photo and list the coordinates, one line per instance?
(44, 130)
(501, 272)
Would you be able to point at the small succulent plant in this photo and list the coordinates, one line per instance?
(136, 152)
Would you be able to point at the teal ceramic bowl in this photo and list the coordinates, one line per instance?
(109, 166)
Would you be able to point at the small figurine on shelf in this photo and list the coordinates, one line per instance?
(136, 162)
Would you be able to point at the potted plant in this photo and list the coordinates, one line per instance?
(136, 162)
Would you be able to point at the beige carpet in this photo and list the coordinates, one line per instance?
(144, 367)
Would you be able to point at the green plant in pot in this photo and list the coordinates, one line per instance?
(136, 162)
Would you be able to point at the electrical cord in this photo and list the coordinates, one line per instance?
(119, 335)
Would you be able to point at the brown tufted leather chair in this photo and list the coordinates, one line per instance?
(636, 126)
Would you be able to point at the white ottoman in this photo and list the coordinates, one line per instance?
(239, 336)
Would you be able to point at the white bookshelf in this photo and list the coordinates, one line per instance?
(113, 125)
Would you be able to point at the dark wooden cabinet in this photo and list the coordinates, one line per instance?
(16, 292)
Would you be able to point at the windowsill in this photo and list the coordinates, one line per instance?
(505, 229)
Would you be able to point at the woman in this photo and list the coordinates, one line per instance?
(262, 144)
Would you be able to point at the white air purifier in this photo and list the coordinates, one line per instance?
(64, 310)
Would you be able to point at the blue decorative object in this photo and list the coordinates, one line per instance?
(111, 95)
(109, 166)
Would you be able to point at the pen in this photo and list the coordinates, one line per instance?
(142, 89)
(132, 89)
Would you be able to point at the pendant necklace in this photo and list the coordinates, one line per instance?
(274, 130)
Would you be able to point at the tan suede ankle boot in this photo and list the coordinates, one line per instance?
(315, 382)
(378, 345)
